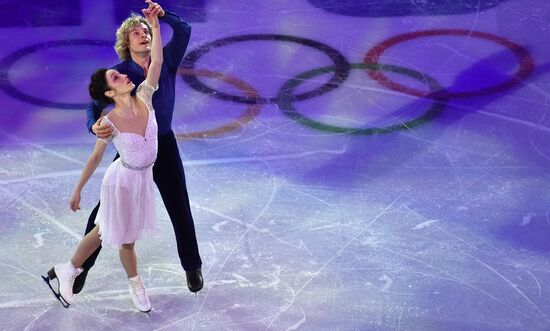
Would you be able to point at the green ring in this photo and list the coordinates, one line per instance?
(284, 100)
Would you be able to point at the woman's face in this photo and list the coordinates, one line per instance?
(119, 83)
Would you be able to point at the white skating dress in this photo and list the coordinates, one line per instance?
(127, 208)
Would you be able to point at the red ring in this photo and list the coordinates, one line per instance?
(251, 111)
(526, 63)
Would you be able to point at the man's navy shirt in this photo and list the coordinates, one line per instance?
(164, 97)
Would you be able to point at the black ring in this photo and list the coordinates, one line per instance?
(8, 61)
(284, 100)
(340, 73)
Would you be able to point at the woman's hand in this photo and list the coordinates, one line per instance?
(75, 201)
(152, 13)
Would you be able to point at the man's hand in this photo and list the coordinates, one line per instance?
(154, 9)
(75, 201)
(102, 131)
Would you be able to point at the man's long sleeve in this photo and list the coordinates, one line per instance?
(176, 47)
(93, 113)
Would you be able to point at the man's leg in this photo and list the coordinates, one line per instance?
(170, 179)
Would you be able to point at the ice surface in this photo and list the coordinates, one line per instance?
(308, 215)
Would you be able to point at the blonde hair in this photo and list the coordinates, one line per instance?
(122, 35)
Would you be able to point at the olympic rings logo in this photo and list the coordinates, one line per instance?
(7, 62)
(526, 63)
(285, 98)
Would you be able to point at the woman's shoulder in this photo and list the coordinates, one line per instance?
(112, 118)
(145, 93)
(146, 87)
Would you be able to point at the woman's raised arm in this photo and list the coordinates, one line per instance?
(153, 73)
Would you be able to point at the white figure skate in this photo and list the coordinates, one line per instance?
(65, 273)
(138, 294)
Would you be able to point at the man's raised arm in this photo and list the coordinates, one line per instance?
(176, 47)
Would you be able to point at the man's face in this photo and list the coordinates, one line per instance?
(139, 39)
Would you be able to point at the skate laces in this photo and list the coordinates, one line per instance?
(73, 273)
(139, 290)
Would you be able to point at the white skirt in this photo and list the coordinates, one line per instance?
(127, 205)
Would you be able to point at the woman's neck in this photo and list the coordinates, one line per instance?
(126, 106)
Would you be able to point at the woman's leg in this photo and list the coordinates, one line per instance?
(135, 283)
(128, 259)
(67, 272)
(89, 263)
(87, 246)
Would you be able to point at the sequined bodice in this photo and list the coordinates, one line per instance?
(136, 150)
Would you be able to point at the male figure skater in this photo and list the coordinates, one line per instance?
(133, 47)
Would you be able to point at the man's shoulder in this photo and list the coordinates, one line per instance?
(120, 65)
(123, 67)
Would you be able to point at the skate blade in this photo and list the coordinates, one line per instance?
(147, 312)
(56, 294)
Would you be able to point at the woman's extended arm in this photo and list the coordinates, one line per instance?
(89, 169)
(153, 73)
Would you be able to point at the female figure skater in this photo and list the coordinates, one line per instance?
(127, 210)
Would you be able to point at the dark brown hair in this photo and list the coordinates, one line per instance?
(98, 87)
